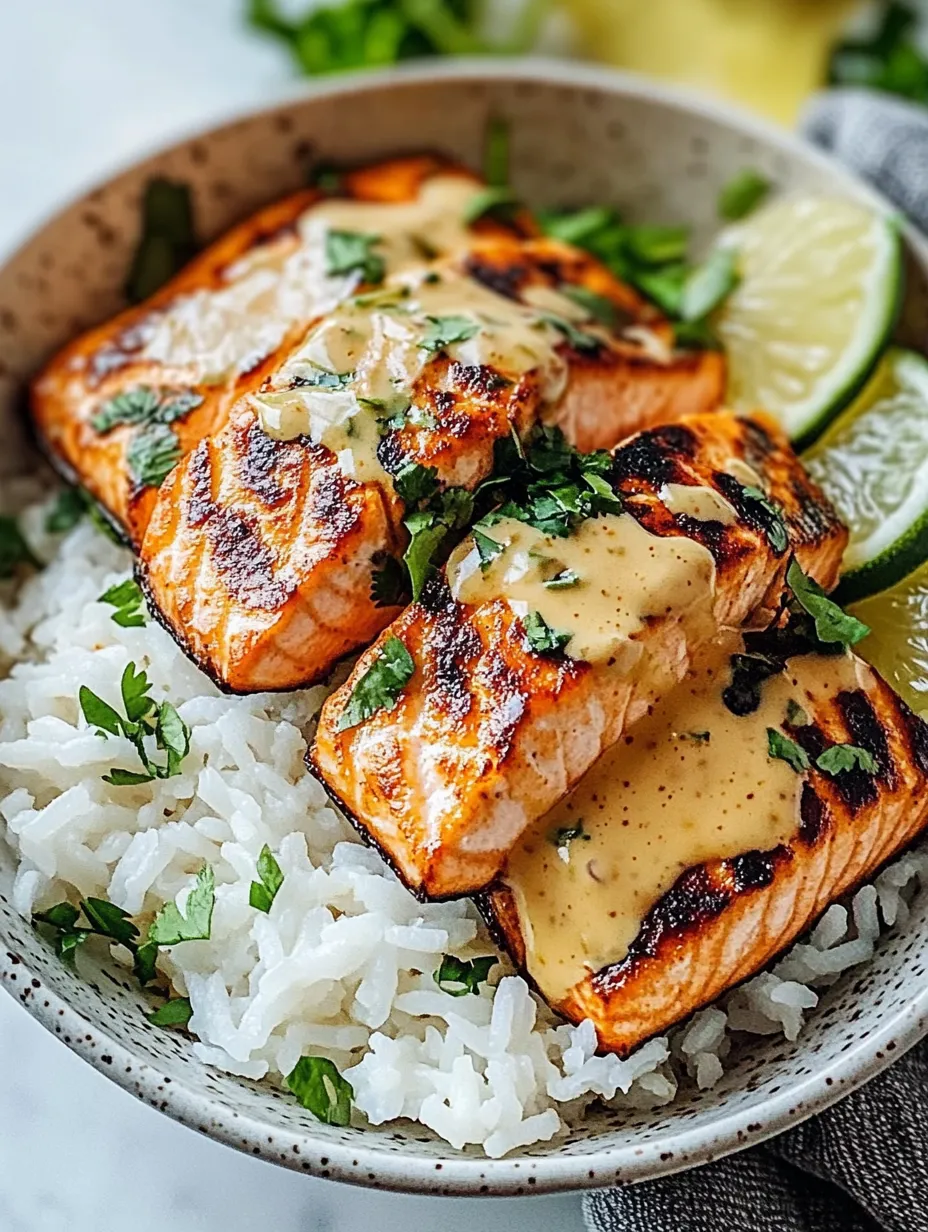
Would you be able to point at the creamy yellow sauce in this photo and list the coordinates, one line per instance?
(703, 504)
(689, 783)
(624, 577)
(768, 54)
(218, 333)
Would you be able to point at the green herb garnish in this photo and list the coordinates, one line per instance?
(101, 919)
(152, 455)
(143, 719)
(579, 339)
(748, 672)
(889, 58)
(389, 583)
(742, 194)
(415, 483)
(599, 307)
(349, 252)
(264, 891)
(540, 637)
(171, 926)
(565, 580)
(14, 550)
(168, 240)
(443, 332)
(841, 758)
(458, 977)
(492, 202)
(144, 405)
(127, 598)
(795, 715)
(69, 507)
(832, 623)
(698, 737)
(322, 1090)
(487, 549)
(709, 284)
(563, 836)
(656, 245)
(174, 1013)
(429, 528)
(784, 749)
(769, 516)
(381, 686)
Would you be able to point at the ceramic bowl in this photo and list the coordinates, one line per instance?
(578, 136)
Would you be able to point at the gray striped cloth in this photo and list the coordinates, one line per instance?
(862, 1166)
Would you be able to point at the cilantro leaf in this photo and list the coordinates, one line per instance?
(784, 749)
(563, 580)
(63, 916)
(492, 201)
(104, 919)
(380, 687)
(748, 672)
(769, 515)
(349, 252)
(135, 688)
(832, 624)
(127, 598)
(656, 245)
(415, 483)
(841, 758)
(795, 715)
(389, 583)
(98, 713)
(599, 307)
(14, 550)
(458, 977)
(487, 549)
(540, 637)
(322, 1090)
(709, 284)
(134, 406)
(174, 1013)
(563, 836)
(146, 957)
(143, 718)
(443, 332)
(167, 241)
(579, 339)
(742, 194)
(153, 453)
(69, 507)
(108, 920)
(427, 533)
(171, 926)
(264, 891)
(890, 57)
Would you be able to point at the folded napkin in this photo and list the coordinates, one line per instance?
(861, 1166)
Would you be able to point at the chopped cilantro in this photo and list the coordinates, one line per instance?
(389, 583)
(380, 687)
(563, 580)
(563, 836)
(415, 483)
(143, 719)
(742, 194)
(171, 926)
(443, 332)
(655, 245)
(784, 749)
(795, 715)
(487, 548)
(429, 529)
(14, 550)
(174, 1013)
(154, 450)
(152, 455)
(709, 284)
(748, 672)
(349, 252)
(832, 624)
(127, 598)
(103, 919)
(492, 202)
(841, 758)
(264, 891)
(599, 307)
(323, 378)
(768, 514)
(69, 507)
(322, 1090)
(579, 339)
(540, 637)
(698, 737)
(890, 57)
(458, 977)
(167, 241)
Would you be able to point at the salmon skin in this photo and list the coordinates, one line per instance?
(488, 734)
(724, 920)
(319, 598)
(120, 358)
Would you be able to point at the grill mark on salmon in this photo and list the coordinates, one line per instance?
(487, 735)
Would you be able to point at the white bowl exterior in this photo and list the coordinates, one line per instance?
(578, 136)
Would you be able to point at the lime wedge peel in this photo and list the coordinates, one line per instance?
(873, 464)
(819, 296)
(897, 645)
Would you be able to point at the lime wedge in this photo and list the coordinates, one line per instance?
(873, 464)
(819, 294)
(897, 645)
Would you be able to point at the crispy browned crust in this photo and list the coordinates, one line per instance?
(485, 706)
(725, 920)
(105, 361)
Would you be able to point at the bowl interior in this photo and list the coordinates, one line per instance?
(578, 137)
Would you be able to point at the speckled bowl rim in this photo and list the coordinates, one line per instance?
(459, 1174)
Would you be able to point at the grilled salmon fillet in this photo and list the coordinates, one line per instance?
(214, 332)
(724, 919)
(319, 552)
(496, 723)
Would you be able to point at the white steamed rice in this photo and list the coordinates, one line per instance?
(343, 964)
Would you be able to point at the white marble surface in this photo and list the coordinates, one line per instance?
(84, 86)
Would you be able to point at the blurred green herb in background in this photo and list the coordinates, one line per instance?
(370, 33)
(889, 58)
